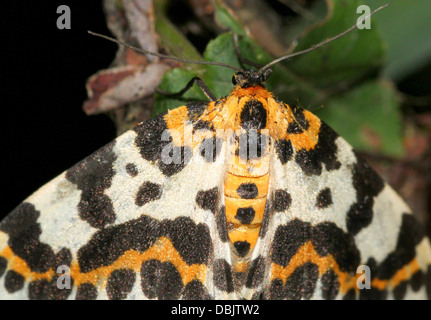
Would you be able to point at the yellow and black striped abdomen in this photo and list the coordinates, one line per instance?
(247, 180)
(245, 200)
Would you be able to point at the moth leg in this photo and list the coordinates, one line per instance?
(194, 80)
(241, 58)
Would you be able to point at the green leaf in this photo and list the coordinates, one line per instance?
(172, 39)
(405, 27)
(344, 61)
(367, 117)
(174, 81)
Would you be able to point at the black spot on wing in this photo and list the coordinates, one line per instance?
(55, 292)
(120, 284)
(207, 200)
(275, 290)
(253, 115)
(324, 198)
(256, 273)
(294, 128)
(13, 281)
(330, 285)
(49, 290)
(147, 192)
(299, 124)
(195, 290)
(288, 239)
(93, 176)
(222, 224)
(86, 291)
(161, 280)
(3, 265)
(400, 290)
(110, 243)
(202, 125)
(24, 231)
(325, 152)
(149, 138)
(210, 148)
(175, 160)
(195, 109)
(299, 285)
(247, 191)
(284, 150)
(131, 169)
(38, 290)
(62, 258)
(191, 240)
(282, 200)
(367, 184)
(417, 280)
(150, 144)
(326, 238)
(305, 278)
(223, 278)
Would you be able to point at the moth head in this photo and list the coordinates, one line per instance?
(249, 78)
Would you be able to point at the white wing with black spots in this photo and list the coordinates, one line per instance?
(125, 223)
(331, 213)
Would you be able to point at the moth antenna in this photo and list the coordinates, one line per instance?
(164, 56)
(321, 44)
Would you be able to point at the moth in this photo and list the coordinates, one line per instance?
(242, 197)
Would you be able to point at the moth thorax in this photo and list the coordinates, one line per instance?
(253, 115)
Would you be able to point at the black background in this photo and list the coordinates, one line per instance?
(43, 73)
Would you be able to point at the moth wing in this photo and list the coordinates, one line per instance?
(123, 223)
(334, 222)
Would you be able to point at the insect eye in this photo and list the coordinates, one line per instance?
(238, 78)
